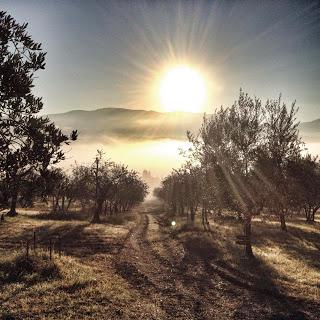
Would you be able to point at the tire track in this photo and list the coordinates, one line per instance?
(152, 274)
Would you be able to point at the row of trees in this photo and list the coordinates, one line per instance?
(31, 145)
(247, 159)
(104, 187)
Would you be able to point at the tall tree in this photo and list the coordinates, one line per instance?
(28, 142)
(282, 145)
(230, 142)
(304, 176)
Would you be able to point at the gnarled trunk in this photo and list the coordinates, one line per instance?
(192, 215)
(68, 205)
(307, 212)
(283, 222)
(313, 214)
(97, 211)
(247, 234)
(14, 197)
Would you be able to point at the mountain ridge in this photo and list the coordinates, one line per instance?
(105, 124)
(121, 109)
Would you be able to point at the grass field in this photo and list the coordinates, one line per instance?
(145, 269)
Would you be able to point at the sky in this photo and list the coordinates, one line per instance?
(112, 53)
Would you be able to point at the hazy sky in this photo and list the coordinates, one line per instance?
(109, 53)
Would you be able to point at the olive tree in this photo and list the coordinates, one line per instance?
(231, 140)
(28, 142)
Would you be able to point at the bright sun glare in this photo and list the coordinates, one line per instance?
(182, 89)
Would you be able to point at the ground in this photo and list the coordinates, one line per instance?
(147, 269)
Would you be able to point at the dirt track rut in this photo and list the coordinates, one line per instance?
(180, 293)
(184, 287)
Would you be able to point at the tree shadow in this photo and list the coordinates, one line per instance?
(29, 270)
(79, 240)
(299, 243)
(256, 281)
(69, 216)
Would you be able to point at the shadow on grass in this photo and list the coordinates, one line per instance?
(29, 270)
(78, 239)
(299, 243)
(69, 216)
(116, 219)
(256, 281)
(75, 287)
(119, 218)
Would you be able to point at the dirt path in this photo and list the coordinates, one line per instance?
(185, 287)
(166, 274)
(155, 266)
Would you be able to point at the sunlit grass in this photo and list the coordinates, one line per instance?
(86, 285)
(285, 261)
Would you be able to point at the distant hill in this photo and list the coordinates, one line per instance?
(310, 131)
(109, 124)
(312, 126)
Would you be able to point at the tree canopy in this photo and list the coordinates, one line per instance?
(28, 142)
(247, 159)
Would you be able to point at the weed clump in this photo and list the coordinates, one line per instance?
(33, 268)
(120, 218)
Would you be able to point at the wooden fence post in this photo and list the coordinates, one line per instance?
(50, 248)
(27, 247)
(34, 242)
(59, 246)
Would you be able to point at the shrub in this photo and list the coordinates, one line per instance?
(33, 268)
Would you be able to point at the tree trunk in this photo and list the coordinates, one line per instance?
(62, 204)
(205, 222)
(12, 212)
(56, 204)
(307, 213)
(68, 205)
(308, 216)
(192, 215)
(97, 212)
(247, 233)
(283, 222)
(174, 209)
(202, 217)
(314, 210)
(105, 210)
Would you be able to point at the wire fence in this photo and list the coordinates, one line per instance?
(34, 246)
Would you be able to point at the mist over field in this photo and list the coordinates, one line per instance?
(143, 139)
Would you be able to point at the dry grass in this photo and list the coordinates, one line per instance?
(288, 262)
(84, 283)
(80, 291)
(79, 284)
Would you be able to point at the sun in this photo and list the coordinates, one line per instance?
(182, 88)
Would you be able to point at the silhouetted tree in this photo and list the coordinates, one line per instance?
(107, 187)
(247, 159)
(231, 140)
(30, 189)
(282, 145)
(28, 142)
(304, 175)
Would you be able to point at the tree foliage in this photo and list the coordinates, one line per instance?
(103, 187)
(247, 159)
(28, 142)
